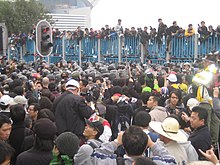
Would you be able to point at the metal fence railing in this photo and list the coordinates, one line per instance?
(115, 49)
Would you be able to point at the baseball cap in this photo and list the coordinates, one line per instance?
(97, 125)
(19, 100)
(5, 100)
(72, 83)
(192, 102)
(172, 78)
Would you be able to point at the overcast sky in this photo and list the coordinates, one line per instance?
(140, 13)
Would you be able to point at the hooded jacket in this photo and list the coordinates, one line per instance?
(158, 113)
(84, 152)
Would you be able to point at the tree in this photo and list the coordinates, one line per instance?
(21, 15)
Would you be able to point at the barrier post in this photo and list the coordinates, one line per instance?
(119, 49)
(99, 50)
(196, 47)
(80, 53)
(9, 49)
(142, 53)
(21, 54)
(34, 51)
(63, 48)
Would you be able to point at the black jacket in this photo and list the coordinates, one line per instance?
(201, 139)
(34, 157)
(70, 111)
(17, 137)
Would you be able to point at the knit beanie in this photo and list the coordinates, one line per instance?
(67, 144)
(45, 129)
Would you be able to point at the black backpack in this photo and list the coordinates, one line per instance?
(122, 119)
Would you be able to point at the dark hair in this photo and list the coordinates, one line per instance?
(19, 90)
(141, 80)
(4, 119)
(134, 141)
(15, 83)
(155, 98)
(43, 144)
(36, 107)
(143, 161)
(150, 81)
(142, 119)
(121, 82)
(6, 151)
(32, 100)
(46, 113)
(38, 82)
(116, 89)
(45, 102)
(84, 82)
(188, 78)
(160, 81)
(17, 113)
(178, 94)
(47, 93)
(125, 91)
(145, 97)
(137, 87)
(52, 86)
(202, 113)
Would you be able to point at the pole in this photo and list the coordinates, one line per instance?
(99, 50)
(63, 47)
(80, 53)
(142, 53)
(21, 55)
(119, 49)
(196, 47)
(34, 51)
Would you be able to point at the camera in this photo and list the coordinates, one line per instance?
(91, 95)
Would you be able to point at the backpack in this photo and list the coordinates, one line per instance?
(121, 114)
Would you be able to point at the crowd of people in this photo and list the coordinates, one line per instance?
(102, 113)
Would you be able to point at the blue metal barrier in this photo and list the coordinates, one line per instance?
(109, 46)
(30, 45)
(208, 45)
(72, 50)
(181, 49)
(90, 49)
(157, 50)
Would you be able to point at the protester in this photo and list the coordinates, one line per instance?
(41, 153)
(66, 146)
(70, 110)
(200, 137)
(5, 127)
(6, 153)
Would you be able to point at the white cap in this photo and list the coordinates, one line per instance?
(19, 100)
(72, 83)
(192, 102)
(172, 78)
(5, 100)
(187, 63)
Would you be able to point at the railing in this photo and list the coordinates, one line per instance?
(115, 49)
